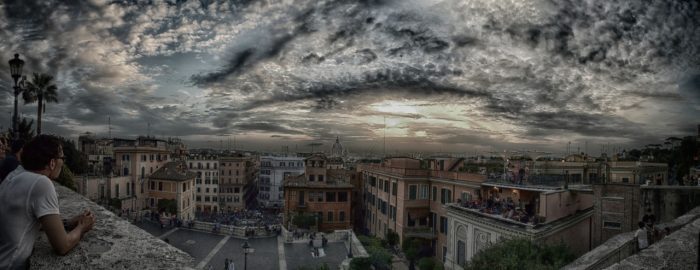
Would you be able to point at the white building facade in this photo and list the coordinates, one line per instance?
(206, 182)
(273, 170)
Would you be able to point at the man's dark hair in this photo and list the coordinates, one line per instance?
(39, 152)
(17, 145)
(641, 224)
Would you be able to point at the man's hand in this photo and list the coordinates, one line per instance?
(62, 241)
(86, 221)
(73, 222)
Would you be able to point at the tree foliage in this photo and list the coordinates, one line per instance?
(76, 161)
(360, 263)
(41, 90)
(521, 254)
(303, 220)
(66, 178)
(379, 257)
(426, 263)
(25, 129)
(369, 241)
(392, 238)
(115, 203)
(323, 266)
(169, 206)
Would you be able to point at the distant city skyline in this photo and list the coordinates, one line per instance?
(430, 76)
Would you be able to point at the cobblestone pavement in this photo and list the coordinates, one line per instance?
(265, 255)
(298, 255)
(201, 246)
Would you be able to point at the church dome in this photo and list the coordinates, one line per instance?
(337, 150)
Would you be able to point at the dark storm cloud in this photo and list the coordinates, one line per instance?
(690, 88)
(266, 127)
(548, 68)
(572, 61)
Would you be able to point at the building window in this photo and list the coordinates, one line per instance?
(444, 254)
(446, 196)
(199, 199)
(625, 180)
(330, 196)
(236, 190)
(198, 190)
(342, 196)
(443, 225)
(312, 178)
(320, 178)
(612, 225)
(394, 188)
(316, 196)
(386, 186)
(160, 186)
(435, 194)
(466, 196)
(184, 187)
(116, 190)
(412, 192)
(330, 216)
(461, 251)
(152, 185)
(341, 216)
(424, 189)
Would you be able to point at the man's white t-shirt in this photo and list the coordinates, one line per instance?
(24, 198)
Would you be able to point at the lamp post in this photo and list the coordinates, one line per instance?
(16, 66)
(350, 241)
(246, 250)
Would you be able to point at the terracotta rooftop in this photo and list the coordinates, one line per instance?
(173, 171)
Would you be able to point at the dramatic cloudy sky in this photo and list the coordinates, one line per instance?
(438, 75)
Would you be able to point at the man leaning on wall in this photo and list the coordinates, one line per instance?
(28, 202)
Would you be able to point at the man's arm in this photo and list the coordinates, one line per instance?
(61, 241)
(70, 224)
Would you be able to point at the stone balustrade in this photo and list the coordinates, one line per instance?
(113, 243)
(622, 248)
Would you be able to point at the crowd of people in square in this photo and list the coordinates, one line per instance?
(506, 208)
(241, 218)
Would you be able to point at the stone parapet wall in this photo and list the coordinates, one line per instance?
(677, 251)
(622, 246)
(113, 243)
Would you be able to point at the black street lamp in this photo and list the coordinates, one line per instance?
(350, 240)
(246, 250)
(16, 66)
